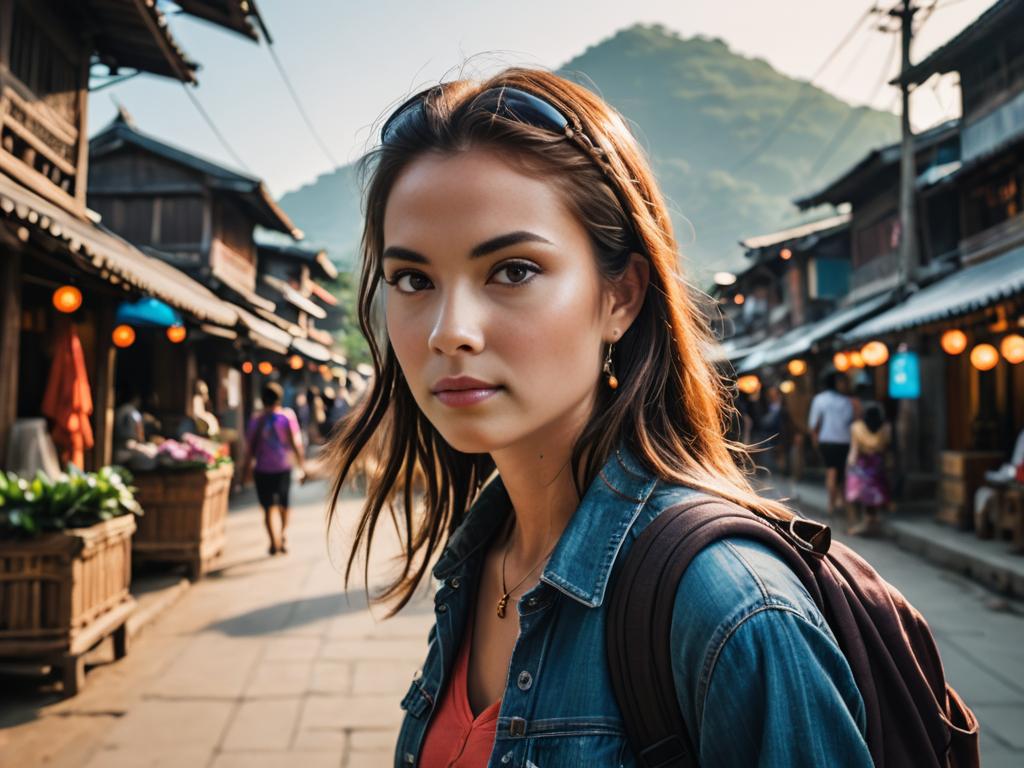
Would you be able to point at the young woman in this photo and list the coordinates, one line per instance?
(542, 365)
(272, 439)
(867, 481)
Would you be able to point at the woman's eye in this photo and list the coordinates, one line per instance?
(515, 273)
(410, 282)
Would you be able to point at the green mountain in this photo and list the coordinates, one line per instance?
(731, 140)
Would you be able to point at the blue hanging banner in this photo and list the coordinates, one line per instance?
(905, 376)
(147, 311)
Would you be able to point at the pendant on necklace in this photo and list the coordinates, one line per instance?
(501, 606)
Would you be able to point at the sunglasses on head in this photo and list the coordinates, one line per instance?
(509, 103)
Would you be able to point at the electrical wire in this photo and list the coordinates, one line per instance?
(213, 127)
(853, 119)
(298, 105)
(806, 89)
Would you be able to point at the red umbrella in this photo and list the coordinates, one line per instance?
(68, 399)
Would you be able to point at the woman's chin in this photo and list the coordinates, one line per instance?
(474, 439)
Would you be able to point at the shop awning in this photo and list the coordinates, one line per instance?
(960, 293)
(264, 334)
(311, 350)
(801, 340)
(295, 298)
(108, 252)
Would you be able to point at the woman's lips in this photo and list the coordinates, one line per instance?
(461, 398)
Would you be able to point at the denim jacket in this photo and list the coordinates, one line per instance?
(757, 672)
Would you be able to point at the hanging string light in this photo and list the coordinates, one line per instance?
(67, 299)
(247, 366)
(266, 368)
(953, 342)
(123, 336)
(748, 384)
(295, 362)
(841, 360)
(1012, 348)
(984, 357)
(797, 367)
(176, 334)
(787, 387)
(874, 353)
(856, 359)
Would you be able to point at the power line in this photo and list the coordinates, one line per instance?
(853, 119)
(216, 132)
(806, 89)
(298, 104)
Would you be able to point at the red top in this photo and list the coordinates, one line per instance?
(455, 738)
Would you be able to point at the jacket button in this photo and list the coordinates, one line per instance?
(441, 608)
(409, 758)
(531, 602)
(506, 758)
(525, 681)
(454, 582)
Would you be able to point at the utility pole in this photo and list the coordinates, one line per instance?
(908, 256)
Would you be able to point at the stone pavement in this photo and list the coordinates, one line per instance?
(266, 662)
(980, 635)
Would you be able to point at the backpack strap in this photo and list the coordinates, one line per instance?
(642, 602)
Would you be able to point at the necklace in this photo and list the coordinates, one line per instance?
(507, 593)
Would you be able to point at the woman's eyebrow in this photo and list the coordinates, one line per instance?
(504, 241)
(483, 249)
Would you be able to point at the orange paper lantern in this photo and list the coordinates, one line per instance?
(123, 336)
(1012, 348)
(739, 298)
(841, 361)
(176, 334)
(954, 342)
(984, 357)
(856, 359)
(247, 366)
(874, 353)
(797, 367)
(266, 368)
(295, 362)
(785, 254)
(67, 298)
(787, 387)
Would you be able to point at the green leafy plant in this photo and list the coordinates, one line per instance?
(77, 499)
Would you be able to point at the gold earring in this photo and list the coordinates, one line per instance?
(609, 371)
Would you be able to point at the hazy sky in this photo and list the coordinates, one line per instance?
(350, 61)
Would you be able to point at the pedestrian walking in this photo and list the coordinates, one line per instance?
(542, 364)
(832, 412)
(273, 443)
(867, 481)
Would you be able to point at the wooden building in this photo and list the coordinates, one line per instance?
(48, 237)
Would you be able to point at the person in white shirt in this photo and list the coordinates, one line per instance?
(831, 415)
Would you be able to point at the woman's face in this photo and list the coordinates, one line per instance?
(495, 308)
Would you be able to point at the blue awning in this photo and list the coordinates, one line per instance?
(147, 311)
(962, 292)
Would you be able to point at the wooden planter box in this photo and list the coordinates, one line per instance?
(60, 594)
(963, 472)
(185, 515)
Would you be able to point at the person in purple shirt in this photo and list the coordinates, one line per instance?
(272, 438)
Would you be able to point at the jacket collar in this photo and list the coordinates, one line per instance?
(581, 564)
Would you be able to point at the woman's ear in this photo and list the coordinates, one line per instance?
(626, 297)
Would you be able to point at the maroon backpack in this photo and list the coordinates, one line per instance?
(913, 716)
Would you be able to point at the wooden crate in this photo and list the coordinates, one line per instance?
(60, 594)
(185, 516)
(963, 472)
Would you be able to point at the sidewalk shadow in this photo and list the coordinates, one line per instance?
(296, 613)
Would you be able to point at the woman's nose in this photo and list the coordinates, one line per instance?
(458, 325)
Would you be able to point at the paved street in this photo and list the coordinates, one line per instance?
(267, 664)
(264, 664)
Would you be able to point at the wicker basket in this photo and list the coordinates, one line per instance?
(62, 593)
(185, 516)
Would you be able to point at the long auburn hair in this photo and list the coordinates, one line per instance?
(672, 408)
